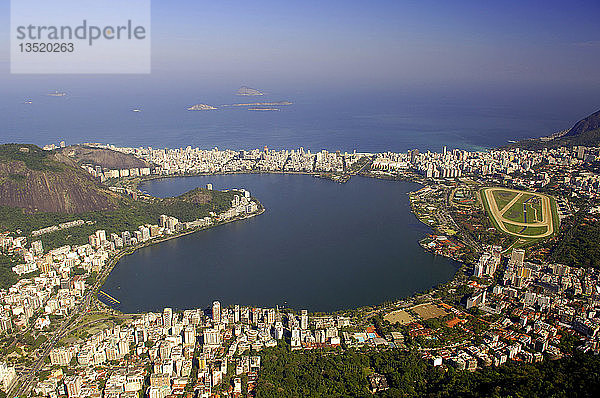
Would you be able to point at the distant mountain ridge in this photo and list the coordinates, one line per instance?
(585, 132)
(36, 180)
(590, 123)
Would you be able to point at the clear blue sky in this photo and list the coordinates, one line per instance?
(371, 44)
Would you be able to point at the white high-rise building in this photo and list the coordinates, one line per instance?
(101, 236)
(211, 337)
(304, 319)
(73, 384)
(189, 335)
(216, 312)
(7, 376)
(516, 258)
(37, 247)
(162, 221)
(236, 313)
(145, 232)
(172, 223)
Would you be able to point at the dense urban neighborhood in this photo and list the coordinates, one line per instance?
(520, 296)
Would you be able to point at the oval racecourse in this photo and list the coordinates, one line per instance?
(522, 214)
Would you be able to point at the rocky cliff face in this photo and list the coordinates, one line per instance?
(36, 180)
(106, 158)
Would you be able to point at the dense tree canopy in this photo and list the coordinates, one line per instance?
(333, 373)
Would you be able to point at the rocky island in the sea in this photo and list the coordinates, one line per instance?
(201, 107)
(271, 104)
(248, 91)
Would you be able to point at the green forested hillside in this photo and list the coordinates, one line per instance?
(336, 374)
(127, 217)
(578, 244)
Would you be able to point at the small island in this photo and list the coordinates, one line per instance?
(248, 91)
(201, 107)
(277, 103)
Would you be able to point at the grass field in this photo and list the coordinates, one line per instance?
(90, 324)
(429, 311)
(532, 231)
(521, 208)
(515, 213)
(399, 316)
(521, 214)
(502, 198)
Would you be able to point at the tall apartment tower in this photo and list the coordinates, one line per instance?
(236, 313)
(168, 317)
(101, 235)
(73, 385)
(189, 335)
(216, 312)
(304, 319)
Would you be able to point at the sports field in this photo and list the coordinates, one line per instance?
(429, 311)
(399, 316)
(519, 213)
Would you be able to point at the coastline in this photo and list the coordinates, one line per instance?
(221, 173)
(131, 250)
(373, 307)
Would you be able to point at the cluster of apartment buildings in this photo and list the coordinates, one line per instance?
(199, 161)
(201, 350)
(210, 350)
(105, 173)
(52, 283)
(535, 304)
(562, 167)
(457, 163)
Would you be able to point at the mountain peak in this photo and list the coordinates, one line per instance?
(589, 123)
(36, 180)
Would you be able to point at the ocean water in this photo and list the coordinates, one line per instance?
(359, 121)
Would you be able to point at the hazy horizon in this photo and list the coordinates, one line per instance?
(536, 60)
(377, 44)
